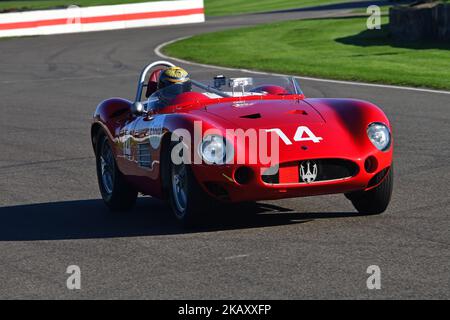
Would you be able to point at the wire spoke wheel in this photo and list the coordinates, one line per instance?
(107, 168)
(180, 186)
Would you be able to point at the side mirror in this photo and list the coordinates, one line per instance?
(137, 108)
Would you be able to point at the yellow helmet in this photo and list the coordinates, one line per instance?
(171, 76)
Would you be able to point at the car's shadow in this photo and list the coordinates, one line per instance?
(89, 219)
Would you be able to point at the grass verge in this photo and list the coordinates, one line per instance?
(328, 48)
(232, 7)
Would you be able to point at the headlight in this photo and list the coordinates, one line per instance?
(213, 149)
(379, 135)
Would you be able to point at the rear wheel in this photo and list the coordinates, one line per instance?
(376, 200)
(116, 193)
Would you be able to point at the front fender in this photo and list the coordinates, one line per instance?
(354, 116)
(108, 115)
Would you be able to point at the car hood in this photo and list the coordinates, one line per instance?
(316, 138)
(265, 114)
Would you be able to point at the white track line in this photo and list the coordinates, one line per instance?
(362, 84)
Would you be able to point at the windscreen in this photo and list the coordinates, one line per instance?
(221, 86)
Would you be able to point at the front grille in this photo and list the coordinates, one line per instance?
(271, 178)
(327, 169)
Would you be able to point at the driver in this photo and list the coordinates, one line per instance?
(171, 83)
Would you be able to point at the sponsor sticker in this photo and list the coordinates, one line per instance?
(156, 130)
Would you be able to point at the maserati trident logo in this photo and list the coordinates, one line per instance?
(308, 171)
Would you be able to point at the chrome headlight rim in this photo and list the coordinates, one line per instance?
(389, 137)
(227, 150)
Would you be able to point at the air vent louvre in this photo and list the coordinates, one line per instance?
(252, 116)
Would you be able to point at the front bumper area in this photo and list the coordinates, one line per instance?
(240, 183)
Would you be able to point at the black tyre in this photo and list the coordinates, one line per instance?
(376, 200)
(187, 199)
(116, 193)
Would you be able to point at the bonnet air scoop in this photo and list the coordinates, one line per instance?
(266, 113)
(252, 116)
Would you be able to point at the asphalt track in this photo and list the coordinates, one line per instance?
(51, 216)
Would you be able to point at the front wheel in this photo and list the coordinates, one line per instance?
(116, 193)
(187, 199)
(376, 200)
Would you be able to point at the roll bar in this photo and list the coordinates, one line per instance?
(141, 83)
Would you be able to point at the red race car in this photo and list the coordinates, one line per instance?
(196, 143)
